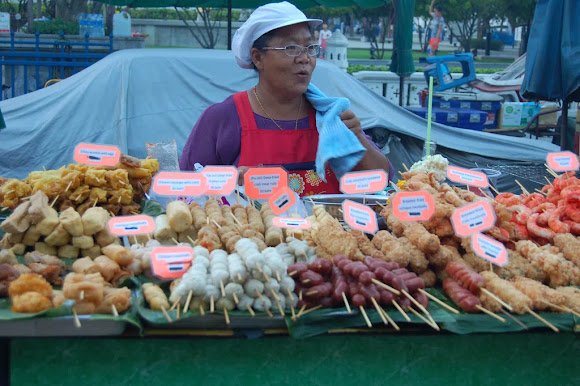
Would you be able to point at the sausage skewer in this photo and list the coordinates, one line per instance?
(442, 304)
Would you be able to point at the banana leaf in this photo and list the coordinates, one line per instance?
(151, 208)
(7, 314)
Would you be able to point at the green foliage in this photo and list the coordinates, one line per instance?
(55, 26)
(9, 7)
(171, 14)
(360, 67)
(481, 44)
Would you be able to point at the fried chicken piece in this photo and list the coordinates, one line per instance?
(391, 247)
(444, 255)
(569, 245)
(560, 272)
(12, 190)
(30, 302)
(117, 179)
(539, 293)
(30, 282)
(572, 295)
(506, 291)
(366, 246)
(80, 194)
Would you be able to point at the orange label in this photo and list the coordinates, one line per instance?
(131, 225)
(291, 223)
(171, 262)
(359, 217)
(221, 180)
(368, 181)
(413, 206)
(97, 155)
(260, 183)
(170, 271)
(282, 200)
(563, 161)
(489, 249)
(467, 177)
(473, 218)
(179, 183)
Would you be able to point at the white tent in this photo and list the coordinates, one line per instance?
(133, 97)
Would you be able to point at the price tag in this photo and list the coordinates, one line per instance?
(282, 200)
(563, 161)
(413, 206)
(171, 262)
(179, 184)
(260, 183)
(170, 271)
(489, 249)
(131, 225)
(473, 218)
(221, 180)
(97, 155)
(368, 181)
(467, 177)
(360, 217)
(291, 223)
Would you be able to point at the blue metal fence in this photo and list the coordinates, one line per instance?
(47, 58)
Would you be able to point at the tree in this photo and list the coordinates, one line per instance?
(421, 20)
(203, 29)
(463, 17)
(520, 14)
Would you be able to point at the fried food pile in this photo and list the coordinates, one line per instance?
(119, 189)
(30, 293)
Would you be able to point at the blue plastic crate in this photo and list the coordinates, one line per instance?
(462, 118)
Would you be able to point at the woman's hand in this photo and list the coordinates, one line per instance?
(352, 122)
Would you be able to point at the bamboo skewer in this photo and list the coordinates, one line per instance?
(269, 313)
(300, 311)
(535, 315)
(166, 315)
(551, 171)
(68, 186)
(365, 316)
(178, 313)
(346, 304)
(211, 305)
(442, 304)
(201, 310)
(424, 319)
(77, 321)
(385, 286)
(236, 219)
(54, 201)
(226, 316)
(420, 307)
(175, 304)
(114, 309)
(187, 301)
(492, 314)
(519, 322)
(549, 182)
(401, 311)
(405, 167)
(191, 240)
(497, 299)
(522, 187)
(251, 310)
(222, 288)
(175, 240)
(494, 189)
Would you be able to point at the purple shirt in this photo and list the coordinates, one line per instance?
(216, 137)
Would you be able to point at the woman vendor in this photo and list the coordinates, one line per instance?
(275, 122)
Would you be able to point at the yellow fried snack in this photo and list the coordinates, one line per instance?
(30, 282)
(121, 196)
(117, 179)
(98, 195)
(30, 302)
(155, 297)
(95, 177)
(12, 191)
(118, 297)
(80, 194)
(117, 253)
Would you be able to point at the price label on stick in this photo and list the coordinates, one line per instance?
(489, 249)
(131, 225)
(221, 180)
(473, 218)
(170, 271)
(97, 155)
(413, 206)
(291, 223)
(179, 184)
(282, 200)
(368, 181)
(360, 217)
(563, 161)
(171, 262)
(467, 177)
(260, 183)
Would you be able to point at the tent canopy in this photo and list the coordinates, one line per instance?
(139, 96)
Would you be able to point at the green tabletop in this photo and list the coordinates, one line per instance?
(532, 358)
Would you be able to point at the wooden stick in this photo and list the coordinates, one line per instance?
(300, 311)
(494, 189)
(236, 219)
(380, 311)
(222, 289)
(82, 295)
(401, 311)
(190, 240)
(227, 316)
(68, 186)
(424, 319)
(300, 293)
(395, 325)
(175, 304)
(166, 315)
(211, 305)
(364, 314)
(95, 203)
(571, 311)
(175, 240)
(514, 319)
(178, 313)
(201, 310)
(405, 167)
(236, 300)
(251, 310)
(442, 304)
(280, 310)
(216, 224)
(549, 182)
(554, 328)
(387, 287)
(289, 293)
(54, 201)
(114, 309)
(492, 314)
(497, 299)
(522, 187)
(542, 193)
(187, 301)
(346, 304)
(278, 276)
(551, 171)
(77, 321)
(420, 307)
(269, 313)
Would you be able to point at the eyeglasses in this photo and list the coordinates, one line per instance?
(294, 50)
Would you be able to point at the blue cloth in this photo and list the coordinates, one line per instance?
(337, 145)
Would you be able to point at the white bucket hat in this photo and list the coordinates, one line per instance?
(265, 19)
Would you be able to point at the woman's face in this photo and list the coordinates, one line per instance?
(284, 74)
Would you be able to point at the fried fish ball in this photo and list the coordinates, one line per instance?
(43, 247)
(71, 221)
(30, 282)
(30, 302)
(179, 216)
(84, 288)
(94, 220)
(49, 223)
(58, 237)
(83, 242)
(95, 177)
(68, 252)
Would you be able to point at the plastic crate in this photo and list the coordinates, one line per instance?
(491, 108)
(461, 118)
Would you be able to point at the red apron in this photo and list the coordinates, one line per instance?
(293, 149)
